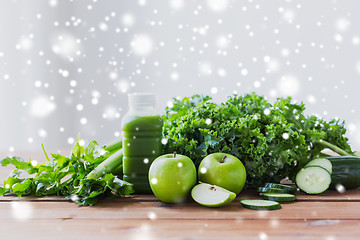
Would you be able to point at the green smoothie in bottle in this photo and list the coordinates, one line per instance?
(142, 131)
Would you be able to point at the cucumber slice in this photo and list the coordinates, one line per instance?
(272, 190)
(279, 197)
(281, 186)
(322, 162)
(257, 204)
(313, 179)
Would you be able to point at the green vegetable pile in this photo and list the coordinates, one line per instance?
(84, 177)
(274, 141)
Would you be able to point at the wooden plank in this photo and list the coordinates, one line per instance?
(330, 195)
(53, 198)
(180, 229)
(149, 210)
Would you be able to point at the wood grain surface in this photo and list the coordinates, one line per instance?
(328, 216)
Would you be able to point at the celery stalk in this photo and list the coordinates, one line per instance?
(335, 148)
(107, 166)
(114, 145)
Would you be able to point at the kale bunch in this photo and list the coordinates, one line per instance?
(273, 141)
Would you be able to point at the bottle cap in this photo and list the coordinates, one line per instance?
(145, 99)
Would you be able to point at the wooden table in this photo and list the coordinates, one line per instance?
(329, 216)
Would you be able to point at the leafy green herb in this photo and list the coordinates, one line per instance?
(67, 176)
(272, 140)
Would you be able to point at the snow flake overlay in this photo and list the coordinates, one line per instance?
(64, 73)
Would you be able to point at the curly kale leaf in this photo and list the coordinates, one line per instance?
(272, 140)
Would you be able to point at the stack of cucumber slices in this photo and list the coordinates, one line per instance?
(273, 194)
(337, 172)
(316, 177)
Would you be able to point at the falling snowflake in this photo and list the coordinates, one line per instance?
(356, 40)
(244, 72)
(25, 43)
(267, 111)
(205, 68)
(70, 140)
(170, 104)
(358, 67)
(53, 3)
(263, 236)
(272, 66)
(142, 2)
(285, 136)
(288, 15)
(21, 210)
(288, 85)
(222, 41)
(217, 5)
(214, 90)
(285, 52)
(154, 181)
(142, 45)
(340, 188)
(128, 19)
(152, 215)
(123, 86)
(174, 76)
(311, 99)
(338, 37)
(176, 4)
(66, 45)
(342, 24)
(83, 121)
(103, 26)
(42, 133)
(111, 113)
(222, 73)
(41, 107)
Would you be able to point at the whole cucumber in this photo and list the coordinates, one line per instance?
(345, 171)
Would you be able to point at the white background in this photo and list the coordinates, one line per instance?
(66, 67)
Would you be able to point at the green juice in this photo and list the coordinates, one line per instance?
(141, 145)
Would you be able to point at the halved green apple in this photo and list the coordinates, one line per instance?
(211, 195)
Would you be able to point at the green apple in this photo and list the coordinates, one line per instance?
(171, 177)
(211, 195)
(223, 170)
